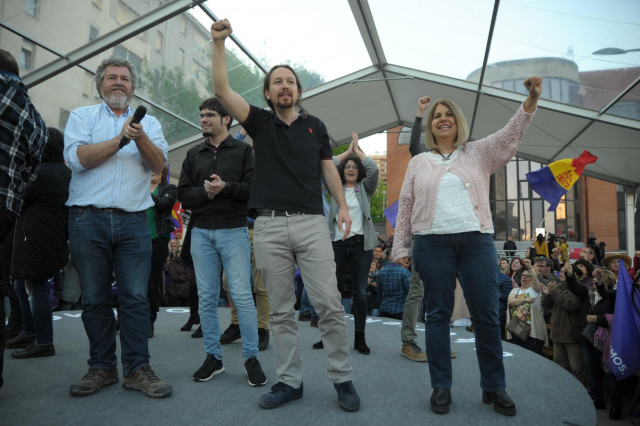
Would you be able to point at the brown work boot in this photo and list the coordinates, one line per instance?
(413, 352)
(146, 381)
(93, 381)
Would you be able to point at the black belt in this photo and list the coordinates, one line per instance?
(102, 209)
(276, 213)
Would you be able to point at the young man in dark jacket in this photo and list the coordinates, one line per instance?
(214, 184)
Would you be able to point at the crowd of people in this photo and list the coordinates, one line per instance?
(568, 310)
(282, 224)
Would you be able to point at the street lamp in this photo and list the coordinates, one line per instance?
(613, 51)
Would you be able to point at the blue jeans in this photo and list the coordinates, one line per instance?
(102, 243)
(306, 307)
(351, 253)
(470, 256)
(211, 250)
(35, 305)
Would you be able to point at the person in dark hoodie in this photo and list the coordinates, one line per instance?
(40, 248)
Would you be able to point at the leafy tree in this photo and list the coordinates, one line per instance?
(179, 95)
(377, 201)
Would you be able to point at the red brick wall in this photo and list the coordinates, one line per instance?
(600, 207)
(398, 157)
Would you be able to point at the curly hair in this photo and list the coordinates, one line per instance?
(114, 61)
(362, 171)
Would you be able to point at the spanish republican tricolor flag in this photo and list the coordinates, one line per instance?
(553, 181)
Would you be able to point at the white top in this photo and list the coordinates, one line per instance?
(355, 212)
(524, 310)
(454, 210)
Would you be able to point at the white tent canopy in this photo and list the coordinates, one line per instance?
(377, 57)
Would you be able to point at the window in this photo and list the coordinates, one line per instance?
(200, 42)
(26, 55)
(93, 33)
(198, 72)
(159, 41)
(32, 7)
(183, 26)
(135, 60)
(124, 14)
(181, 58)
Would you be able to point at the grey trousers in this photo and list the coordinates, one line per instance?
(281, 242)
(412, 307)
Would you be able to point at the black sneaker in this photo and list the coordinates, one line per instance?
(347, 396)
(211, 367)
(231, 334)
(263, 339)
(255, 373)
(197, 334)
(280, 394)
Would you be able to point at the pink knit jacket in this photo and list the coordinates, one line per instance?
(475, 164)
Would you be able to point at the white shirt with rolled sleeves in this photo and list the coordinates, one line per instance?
(122, 181)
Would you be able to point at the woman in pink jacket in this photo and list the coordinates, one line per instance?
(444, 208)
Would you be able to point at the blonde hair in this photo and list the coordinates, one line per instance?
(609, 278)
(461, 124)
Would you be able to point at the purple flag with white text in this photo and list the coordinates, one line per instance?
(624, 359)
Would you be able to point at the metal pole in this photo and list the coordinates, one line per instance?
(629, 214)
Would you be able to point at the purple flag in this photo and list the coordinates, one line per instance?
(391, 213)
(624, 359)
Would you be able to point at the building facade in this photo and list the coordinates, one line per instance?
(180, 45)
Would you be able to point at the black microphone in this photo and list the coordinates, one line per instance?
(137, 116)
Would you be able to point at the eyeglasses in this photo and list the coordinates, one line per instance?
(208, 115)
(525, 275)
(350, 167)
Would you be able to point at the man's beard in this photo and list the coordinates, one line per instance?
(207, 133)
(117, 101)
(290, 103)
(283, 105)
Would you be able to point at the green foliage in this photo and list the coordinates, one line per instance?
(377, 201)
(308, 79)
(245, 79)
(339, 150)
(172, 91)
(180, 94)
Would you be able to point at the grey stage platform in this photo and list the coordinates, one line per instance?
(393, 390)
